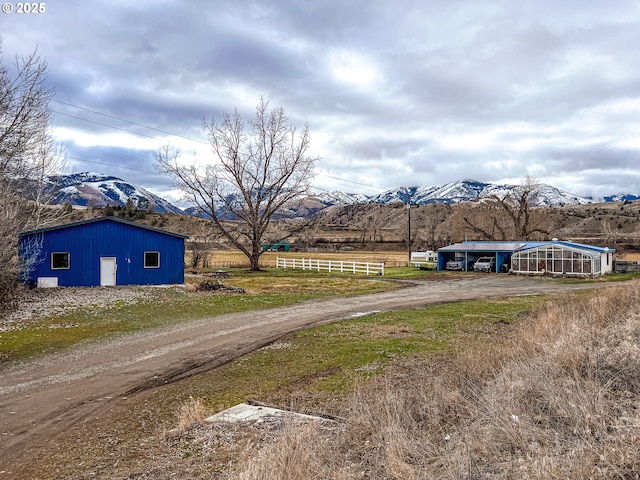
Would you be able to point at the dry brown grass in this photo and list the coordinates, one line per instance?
(630, 257)
(192, 412)
(559, 397)
(235, 258)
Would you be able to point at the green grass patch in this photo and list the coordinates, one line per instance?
(331, 359)
(316, 284)
(612, 277)
(620, 277)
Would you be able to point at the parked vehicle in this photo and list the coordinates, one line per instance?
(459, 263)
(485, 264)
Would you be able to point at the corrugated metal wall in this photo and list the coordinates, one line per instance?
(87, 243)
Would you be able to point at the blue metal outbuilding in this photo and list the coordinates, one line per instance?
(103, 251)
(552, 257)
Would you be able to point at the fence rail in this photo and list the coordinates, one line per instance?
(626, 266)
(341, 266)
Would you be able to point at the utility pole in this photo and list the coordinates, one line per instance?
(409, 231)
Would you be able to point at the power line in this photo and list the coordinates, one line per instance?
(105, 125)
(112, 165)
(373, 187)
(354, 182)
(122, 120)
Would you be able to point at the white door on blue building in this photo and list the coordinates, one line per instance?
(108, 269)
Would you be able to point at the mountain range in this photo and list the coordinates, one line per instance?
(99, 190)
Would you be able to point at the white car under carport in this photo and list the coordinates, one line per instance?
(485, 264)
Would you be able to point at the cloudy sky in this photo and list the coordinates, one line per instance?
(396, 92)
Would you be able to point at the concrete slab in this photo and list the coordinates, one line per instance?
(259, 414)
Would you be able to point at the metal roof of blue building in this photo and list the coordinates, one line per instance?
(512, 246)
(530, 245)
(483, 246)
(102, 219)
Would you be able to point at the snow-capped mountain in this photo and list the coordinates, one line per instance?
(340, 198)
(623, 197)
(455, 192)
(95, 189)
(99, 190)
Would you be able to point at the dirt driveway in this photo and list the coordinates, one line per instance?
(43, 398)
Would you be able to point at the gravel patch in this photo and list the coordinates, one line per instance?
(45, 302)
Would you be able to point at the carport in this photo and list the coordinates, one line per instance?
(472, 250)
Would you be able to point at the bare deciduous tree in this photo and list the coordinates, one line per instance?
(482, 219)
(28, 155)
(514, 216)
(610, 233)
(370, 222)
(434, 216)
(199, 254)
(257, 172)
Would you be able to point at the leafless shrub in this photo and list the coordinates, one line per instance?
(198, 255)
(558, 398)
(8, 291)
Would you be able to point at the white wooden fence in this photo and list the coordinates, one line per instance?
(341, 266)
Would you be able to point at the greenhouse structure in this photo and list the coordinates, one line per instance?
(561, 258)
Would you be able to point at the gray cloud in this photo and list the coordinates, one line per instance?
(396, 93)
